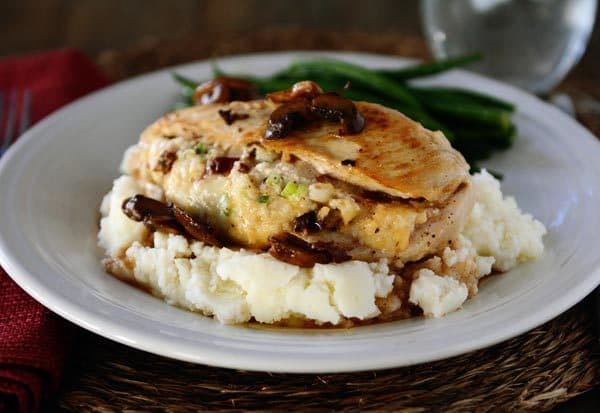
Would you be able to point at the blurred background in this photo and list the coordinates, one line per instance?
(135, 36)
(103, 28)
(94, 26)
(99, 26)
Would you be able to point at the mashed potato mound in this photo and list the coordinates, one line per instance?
(498, 228)
(237, 286)
(437, 295)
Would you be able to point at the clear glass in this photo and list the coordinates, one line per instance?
(529, 43)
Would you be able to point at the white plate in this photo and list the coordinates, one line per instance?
(53, 179)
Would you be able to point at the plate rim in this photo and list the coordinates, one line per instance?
(104, 326)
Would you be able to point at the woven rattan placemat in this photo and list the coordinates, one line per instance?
(533, 372)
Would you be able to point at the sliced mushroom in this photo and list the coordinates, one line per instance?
(159, 216)
(212, 91)
(163, 224)
(305, 102)
(307, 89)
(336, 253)
(333, 107)
(287, 117)
(139, 207)
(202, 231)
(294, 250)
(224, 89)
(154, 214)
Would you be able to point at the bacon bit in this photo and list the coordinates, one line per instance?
(224, 89)
(165, 162)
(229, 117)
(220, 165)
(294, 250)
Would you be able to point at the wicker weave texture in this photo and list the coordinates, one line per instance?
(532, 372)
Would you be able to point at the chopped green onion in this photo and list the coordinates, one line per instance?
(263, 199)
(200, 149)
(274, 180)
(294, 191)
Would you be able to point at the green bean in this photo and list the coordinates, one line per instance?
(269, 85)
(412, 112)
(471, 114)
(429, 68)
(474, 151)
(497, 138)
(460, 96)
(354, 93)
(328, 84)
(425, 119)
(461, 107)
(266, 85)
(186, 82)
(416, 114)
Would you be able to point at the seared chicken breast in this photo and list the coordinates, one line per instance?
(378, 216)
(394, 190)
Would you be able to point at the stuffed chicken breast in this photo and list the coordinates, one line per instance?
(327, 206)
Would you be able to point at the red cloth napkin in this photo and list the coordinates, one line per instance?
(34, 342)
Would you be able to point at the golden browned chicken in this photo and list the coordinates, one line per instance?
(275, 173)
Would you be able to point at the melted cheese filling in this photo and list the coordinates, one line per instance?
(250, 208)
